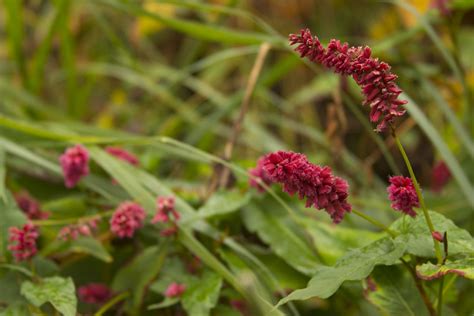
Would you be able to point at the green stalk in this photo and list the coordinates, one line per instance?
(420, 196)
(111, 303)
(375, 222)
(440, 296)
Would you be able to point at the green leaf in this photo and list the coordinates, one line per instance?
(333, 241)
(140, 272)
(15, 310)
(415, 234)
(202, 296)
(90, 246)
(60, 292)
(395, 293)
(272, 229)
(463, 267)
(223, 202)
(10, 215)
(165, 303)
(355, 265)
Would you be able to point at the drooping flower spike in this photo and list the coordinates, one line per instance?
(402, 193)
(373, 76)
(259, 172)
(317, 184)
(175, 290)
(22, 241)
(127, 218)
(94, 293)
(75, 164)
(122, 154)
(30, 206)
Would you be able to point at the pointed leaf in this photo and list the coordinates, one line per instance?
(356, 265)
(60, 292)
(202, 296)
(417, 237)
(395, 293)
(462, 267)
(91, 246)
(272, 229)
(221, 203)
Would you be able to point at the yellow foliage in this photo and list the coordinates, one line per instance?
(145, 25)
(408, 18)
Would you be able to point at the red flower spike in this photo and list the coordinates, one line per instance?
(94, 293)
(373, 76)
(75, 165)
(317, 184)
(402, 193)
(127, 218)
(440, 176)
(30, 206)
(122, 154)
(259, 172)
(22, 241)
(175, 290)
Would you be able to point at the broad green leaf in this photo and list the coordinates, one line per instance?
(223, 202)
(272, 229)
(355, 265)
(395, 293)
(333, 241)
(90, 246)
(415, 234)
(10, 286)
(136, 276)
(463, 267)
(202, 296)
(10, 215)
(15, 310)
(60, 292)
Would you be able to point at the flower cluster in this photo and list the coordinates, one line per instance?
(260, 173)
(127, 218)
(75, 165)
(165, 208)
(175, 290)
(373, 76)
(71, 232)
(22, 241)
(94, 293)
(317, 184)
(30, 206)
(166, 212)
(402, 193)
(122, 154)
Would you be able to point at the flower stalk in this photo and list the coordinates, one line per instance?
(429, 222)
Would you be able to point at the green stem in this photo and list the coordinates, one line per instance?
(420, 196)
(375, 222)
(57, 222)
(440, 296)
(111, 303)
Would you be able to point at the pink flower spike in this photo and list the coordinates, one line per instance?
(30, 206)
(175, 290)
(170, 231)
(75, 164)
(402, 193)
(438, 236)
(22, 241)
(127, 218)
(317, 184)
(165, 207)
(94, 293)
(122, 154)
(259, 172)
(440, 176)
(373, 76)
